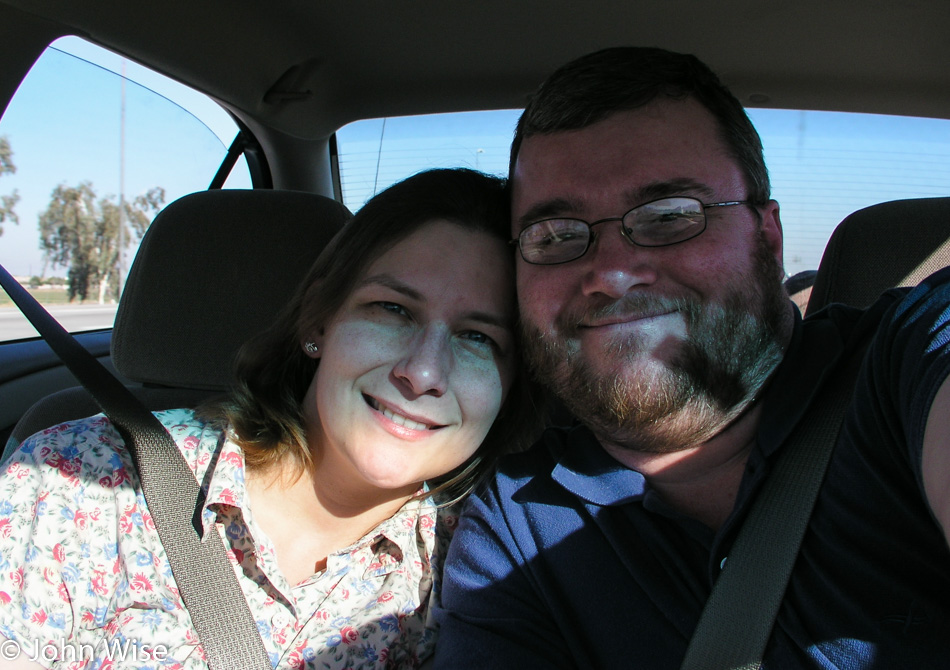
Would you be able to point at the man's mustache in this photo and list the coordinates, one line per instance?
(627, 308)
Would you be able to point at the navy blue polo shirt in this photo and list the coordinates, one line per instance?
(568, 559)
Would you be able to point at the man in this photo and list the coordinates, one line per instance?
(649, 282)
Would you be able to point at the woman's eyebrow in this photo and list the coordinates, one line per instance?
(390, 282)
(489, 319)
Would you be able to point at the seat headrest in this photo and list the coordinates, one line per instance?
(896, 243)
(213, 269)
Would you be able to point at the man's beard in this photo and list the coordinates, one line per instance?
(729, 353)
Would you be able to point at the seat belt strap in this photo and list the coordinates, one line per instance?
(205, 577)
(740, 613)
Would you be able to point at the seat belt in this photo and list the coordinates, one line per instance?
(739, 615)
(205, 577)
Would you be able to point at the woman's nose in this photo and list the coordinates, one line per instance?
(425, 366)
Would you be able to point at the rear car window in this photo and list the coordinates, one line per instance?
(823, 165)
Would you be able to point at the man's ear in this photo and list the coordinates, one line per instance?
(772, 231)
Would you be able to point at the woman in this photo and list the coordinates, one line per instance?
(388, 386)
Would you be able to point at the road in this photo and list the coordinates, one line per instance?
(75, 318)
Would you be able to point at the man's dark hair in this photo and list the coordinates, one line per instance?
(592, 87)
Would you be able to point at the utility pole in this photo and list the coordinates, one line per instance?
(121, 236)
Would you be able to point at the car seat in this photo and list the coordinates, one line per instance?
(897, 243)
(213, 269)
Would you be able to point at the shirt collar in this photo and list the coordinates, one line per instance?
(413, 525)
(410, 529)
(406, 538)
(224, 472)
(590, 473)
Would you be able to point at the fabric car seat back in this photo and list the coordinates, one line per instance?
(213, 269)
(897, 243)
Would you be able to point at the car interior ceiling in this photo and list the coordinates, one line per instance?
(306, 69)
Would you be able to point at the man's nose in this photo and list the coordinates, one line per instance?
(425, 366)
(614, 264)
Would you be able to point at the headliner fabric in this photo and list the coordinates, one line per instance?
(896, 243)
(214, 269)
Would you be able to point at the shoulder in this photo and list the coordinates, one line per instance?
(912, 336)
(77, 544)
(904, 341)
(61, 494)
(910, 356)
(895, 306)
(92, 448)
(900, 308)
(925, 305)
(198, 438)
(905, 328)
(87, 446)
(186, 425)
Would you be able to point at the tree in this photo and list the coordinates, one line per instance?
(7, 202)
(80, 231)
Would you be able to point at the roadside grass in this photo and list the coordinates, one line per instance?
(46, 296)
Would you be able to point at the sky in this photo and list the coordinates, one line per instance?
(63, 128)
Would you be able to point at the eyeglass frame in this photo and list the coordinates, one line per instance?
(623, 228)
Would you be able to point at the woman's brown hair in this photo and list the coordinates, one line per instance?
(273, 372)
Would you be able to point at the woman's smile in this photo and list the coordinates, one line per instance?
(413, 423)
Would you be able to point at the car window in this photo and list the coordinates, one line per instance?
(86, 129)
(374, 154)
(823, 165)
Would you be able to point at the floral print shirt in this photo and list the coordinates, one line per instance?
(85, 582)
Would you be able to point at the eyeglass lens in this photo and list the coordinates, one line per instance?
(654, 224)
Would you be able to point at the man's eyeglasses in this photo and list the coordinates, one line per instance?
(655, 224)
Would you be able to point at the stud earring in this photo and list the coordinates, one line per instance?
(311, 348)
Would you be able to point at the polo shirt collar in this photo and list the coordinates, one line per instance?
(590, 473)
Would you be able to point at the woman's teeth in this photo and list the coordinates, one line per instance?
(398, 418)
